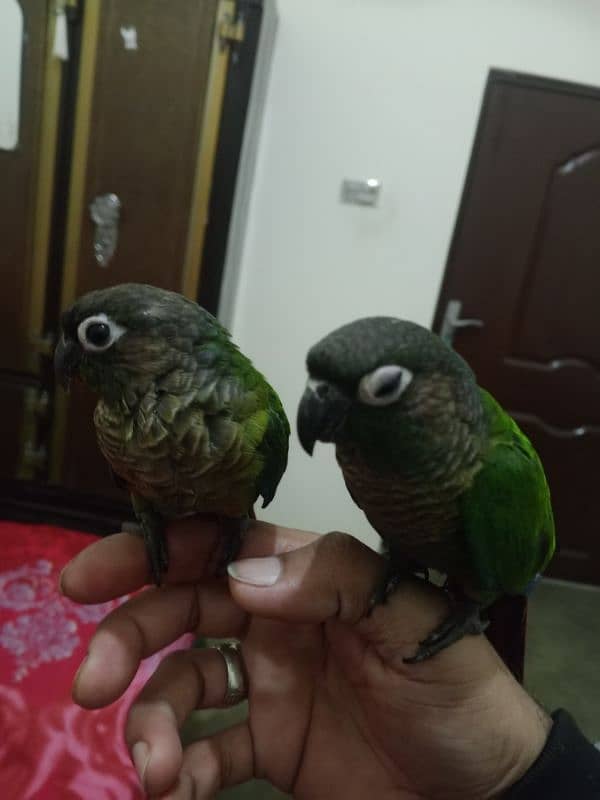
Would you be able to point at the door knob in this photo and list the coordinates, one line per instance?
(105, 211)
(452, 320)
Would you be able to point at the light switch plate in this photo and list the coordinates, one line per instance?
(361, 192)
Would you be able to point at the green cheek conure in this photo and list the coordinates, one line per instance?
(184, 419)
(442, 473)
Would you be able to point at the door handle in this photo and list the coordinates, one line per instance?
(452, 320)
(105, 211)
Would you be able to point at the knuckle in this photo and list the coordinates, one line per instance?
(338, 544)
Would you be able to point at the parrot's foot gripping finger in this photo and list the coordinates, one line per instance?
(392, 577)
(232, 532)
(156, 545)
(465, 619)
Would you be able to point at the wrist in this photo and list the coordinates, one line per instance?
(526, 730)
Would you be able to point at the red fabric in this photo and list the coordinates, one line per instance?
(50, 749)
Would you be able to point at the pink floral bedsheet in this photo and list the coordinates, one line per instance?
(50, 749)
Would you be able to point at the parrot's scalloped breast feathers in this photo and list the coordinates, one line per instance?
(354, 350)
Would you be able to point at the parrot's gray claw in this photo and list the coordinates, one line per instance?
(383, 590)
(152, 531)
(233, 530)
(156, 546)
(393, 576)
(464, 620)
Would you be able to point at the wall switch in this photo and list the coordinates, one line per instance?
(361, 192)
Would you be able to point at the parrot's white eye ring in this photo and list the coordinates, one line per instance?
(99, 332)
(384, 385)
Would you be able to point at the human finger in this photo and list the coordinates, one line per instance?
(143, 626)
(183, 682)
(333, 576)
(222, 760)
(118, 564)
(333, 579)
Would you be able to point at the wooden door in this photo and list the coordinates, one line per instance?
(146, 78)
(525, 260)
(19, 171)
(148, 92)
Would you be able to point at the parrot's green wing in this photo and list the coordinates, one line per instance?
(507, 515)
(274, 450)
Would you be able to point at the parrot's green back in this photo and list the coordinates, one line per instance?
(506, 512)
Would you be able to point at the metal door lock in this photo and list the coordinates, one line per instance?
(105, 211)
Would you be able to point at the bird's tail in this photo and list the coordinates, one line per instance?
(507, 630)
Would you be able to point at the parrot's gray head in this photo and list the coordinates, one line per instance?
(112, 337)
(381, 380)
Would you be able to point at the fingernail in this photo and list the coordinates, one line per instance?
(78, 674)
(61, 579)
(90, 662)
(257, 571)
(140, 753)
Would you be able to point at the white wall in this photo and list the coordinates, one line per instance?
(11, 39)
(373, 88)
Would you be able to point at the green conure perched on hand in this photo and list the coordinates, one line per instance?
(182, 417)
(442, 473)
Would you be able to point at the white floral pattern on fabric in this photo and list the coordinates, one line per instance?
(28, 586)
(46, 628)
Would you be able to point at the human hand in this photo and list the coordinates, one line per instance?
(333, 709)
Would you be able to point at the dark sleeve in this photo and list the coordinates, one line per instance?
(568, 767)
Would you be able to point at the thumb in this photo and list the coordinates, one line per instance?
(332, 577)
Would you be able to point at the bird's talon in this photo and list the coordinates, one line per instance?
(233, 530)
(464, 620)
(391, 580)
(423, 653)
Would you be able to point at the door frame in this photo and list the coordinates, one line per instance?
(495, 78)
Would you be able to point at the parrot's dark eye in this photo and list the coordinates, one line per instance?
(383, 386)
(98, 333)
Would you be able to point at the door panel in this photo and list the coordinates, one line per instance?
(25, 409)
(566, 254)
(11, 427)
(18, 199)
(18, 169)
(524, 259)
(144, 136)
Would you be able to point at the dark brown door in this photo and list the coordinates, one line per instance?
(18, 196)
(525, 260)
(148, 94)
(146, 88)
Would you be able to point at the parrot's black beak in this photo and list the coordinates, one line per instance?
(321, 414)
(67, 358)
